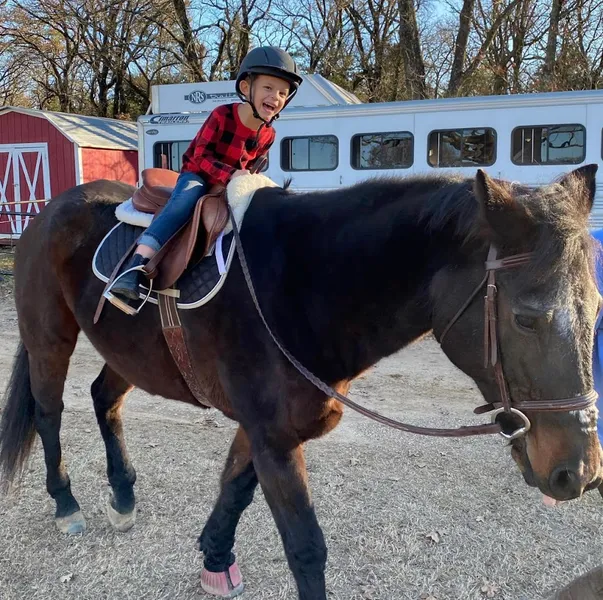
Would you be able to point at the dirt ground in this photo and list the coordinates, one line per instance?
(405, 517)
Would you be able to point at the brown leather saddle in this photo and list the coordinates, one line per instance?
(190, 243)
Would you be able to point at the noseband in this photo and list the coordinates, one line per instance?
(506, 406)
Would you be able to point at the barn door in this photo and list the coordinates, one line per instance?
(24, 180)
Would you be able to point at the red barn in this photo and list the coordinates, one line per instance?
(44, 153)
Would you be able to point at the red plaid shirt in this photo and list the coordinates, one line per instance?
(223, 145)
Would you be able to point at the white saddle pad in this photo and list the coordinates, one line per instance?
(126, 213)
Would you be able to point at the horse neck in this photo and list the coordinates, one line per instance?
(369, 294)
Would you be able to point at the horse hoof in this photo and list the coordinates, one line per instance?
(226, 584)
(119, 522)
(71, 524)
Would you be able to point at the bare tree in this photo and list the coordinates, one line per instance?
(374, 26)
(224, 26)
(113, 35)
(548, 70)
(40, 33)
(579, 58)
(438, 48)
(318, 32)
(410, 49)
(515, 39)
(461, 71)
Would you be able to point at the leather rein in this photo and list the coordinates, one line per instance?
(505, 405)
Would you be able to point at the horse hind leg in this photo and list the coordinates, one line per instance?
(48, 364)
(221, 575)
(34, 403)
(109, 391)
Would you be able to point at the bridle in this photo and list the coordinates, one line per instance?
(505, 406)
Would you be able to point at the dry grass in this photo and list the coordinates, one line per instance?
(7, 259)
(404, 517)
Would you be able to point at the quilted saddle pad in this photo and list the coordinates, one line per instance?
(197, 285)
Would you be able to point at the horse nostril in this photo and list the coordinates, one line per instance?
(565, 483)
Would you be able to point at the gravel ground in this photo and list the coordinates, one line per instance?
(405, 517)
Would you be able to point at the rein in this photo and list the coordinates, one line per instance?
(491, 359)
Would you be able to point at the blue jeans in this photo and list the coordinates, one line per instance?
(178, 210)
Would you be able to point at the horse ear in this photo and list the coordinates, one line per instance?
(502, 214)
(491, 195)
(581, 183)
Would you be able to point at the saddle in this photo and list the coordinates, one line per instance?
(212, 215)
(192, 241)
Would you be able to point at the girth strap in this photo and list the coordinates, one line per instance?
(174, 336)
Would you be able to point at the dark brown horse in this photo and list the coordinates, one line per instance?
(344, 278)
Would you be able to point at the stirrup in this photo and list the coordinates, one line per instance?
(119, 303)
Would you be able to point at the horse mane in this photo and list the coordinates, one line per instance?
(447, 204)
(561, 238)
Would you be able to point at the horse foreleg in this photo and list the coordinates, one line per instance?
(284, 480)
(221, 575)
(109, 391)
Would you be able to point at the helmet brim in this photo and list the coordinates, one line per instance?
(292, 78)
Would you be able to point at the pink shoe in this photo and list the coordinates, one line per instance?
(226, 584)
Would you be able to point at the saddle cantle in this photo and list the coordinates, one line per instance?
(156, 189)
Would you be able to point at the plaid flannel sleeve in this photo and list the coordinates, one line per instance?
(207, 140)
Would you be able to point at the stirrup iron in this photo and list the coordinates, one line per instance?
(119, 303)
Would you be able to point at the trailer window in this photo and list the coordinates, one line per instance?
(462, 147)
(313, 153)
(548, 145)
(168, 155)
(392, 150)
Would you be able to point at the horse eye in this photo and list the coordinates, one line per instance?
(526, 322)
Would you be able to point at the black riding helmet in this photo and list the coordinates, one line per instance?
(269, 60)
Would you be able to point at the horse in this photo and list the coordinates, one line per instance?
(344, 277)
(588, 586)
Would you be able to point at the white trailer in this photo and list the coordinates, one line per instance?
(327, 138)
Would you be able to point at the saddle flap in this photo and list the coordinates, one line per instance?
(192, 242)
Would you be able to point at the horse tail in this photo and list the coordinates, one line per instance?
(17, 431)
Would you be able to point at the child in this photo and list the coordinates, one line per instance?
(233, 138)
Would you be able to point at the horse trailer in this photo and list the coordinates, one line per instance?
(327, 138)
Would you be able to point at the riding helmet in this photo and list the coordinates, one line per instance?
(269, 60)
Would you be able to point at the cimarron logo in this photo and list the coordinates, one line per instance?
(168, 119)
